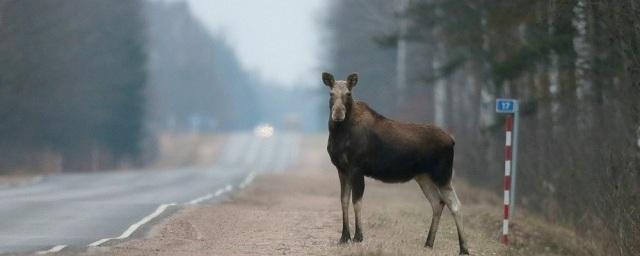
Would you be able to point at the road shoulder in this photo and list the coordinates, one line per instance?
(298, 213)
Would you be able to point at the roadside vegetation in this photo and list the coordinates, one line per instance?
(574, 66)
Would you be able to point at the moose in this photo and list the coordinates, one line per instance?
(365, 143)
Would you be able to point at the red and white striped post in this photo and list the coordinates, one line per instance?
(508, 155)
(510, 108)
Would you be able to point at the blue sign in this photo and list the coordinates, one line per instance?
(506, 105)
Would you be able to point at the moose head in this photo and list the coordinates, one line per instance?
(340, 101)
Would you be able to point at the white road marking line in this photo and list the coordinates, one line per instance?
(136, 225)
(209, 196)
(99, 242)
(219, 192)
(200, 199)
(247, 180)
(252, 157)
(54, 249)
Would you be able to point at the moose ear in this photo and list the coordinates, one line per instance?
(352, 80)
(327, 78)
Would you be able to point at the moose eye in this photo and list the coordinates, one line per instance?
(348, 94)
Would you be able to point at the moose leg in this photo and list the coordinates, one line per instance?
(357, 182)
(345, 193)
(430, 190)
(451, 199)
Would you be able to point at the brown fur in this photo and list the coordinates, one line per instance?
(388, 150)
(365, 143)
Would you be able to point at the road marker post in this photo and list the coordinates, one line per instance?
(510, 108)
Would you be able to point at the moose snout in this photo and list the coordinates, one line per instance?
(338, 114)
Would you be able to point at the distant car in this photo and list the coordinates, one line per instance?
(263, 131)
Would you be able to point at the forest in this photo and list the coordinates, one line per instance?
(195, 80)
(72, 84)
(574, 66)
(89, 85)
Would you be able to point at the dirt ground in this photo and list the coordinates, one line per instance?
(298, 213)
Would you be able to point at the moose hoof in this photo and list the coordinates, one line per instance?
(428, 244)
(464, 251)
(344, 239)
(357, 237)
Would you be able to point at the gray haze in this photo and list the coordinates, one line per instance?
(280, 40)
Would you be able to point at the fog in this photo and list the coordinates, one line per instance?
(146, 85)
(115, 76)
(277, 40)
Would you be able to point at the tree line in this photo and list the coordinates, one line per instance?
(87, 84)
(196, 82)
(71, 84)
(574, 65)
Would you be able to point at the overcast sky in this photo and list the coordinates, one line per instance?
(278, 39)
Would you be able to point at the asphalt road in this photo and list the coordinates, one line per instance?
(76, 210)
